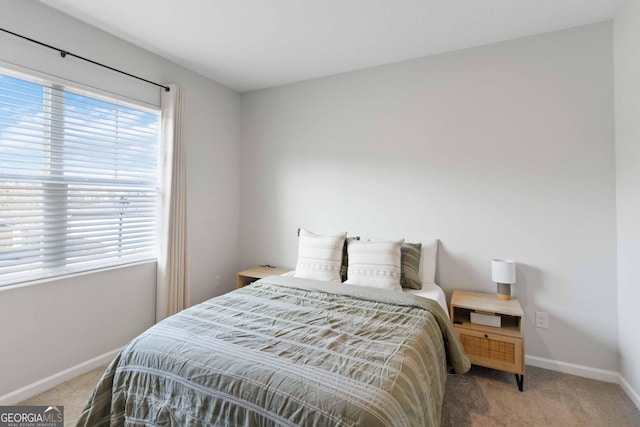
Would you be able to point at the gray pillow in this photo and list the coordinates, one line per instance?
(345, 258)
(410, 265)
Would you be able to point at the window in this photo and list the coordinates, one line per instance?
(78, 181)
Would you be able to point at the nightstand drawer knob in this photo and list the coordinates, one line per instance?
(486, 336)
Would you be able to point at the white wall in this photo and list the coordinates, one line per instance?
(627, 107)
(49, 327)
(505, 150)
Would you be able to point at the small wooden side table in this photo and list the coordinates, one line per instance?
(498, 347)
(246, 277)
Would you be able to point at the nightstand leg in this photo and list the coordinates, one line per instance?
(520, 381)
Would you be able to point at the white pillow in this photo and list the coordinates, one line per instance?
(319, 257)
(428, 260)
(374, 263)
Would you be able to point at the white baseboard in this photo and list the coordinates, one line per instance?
(45, 384)
(633, 395)
(573, 369)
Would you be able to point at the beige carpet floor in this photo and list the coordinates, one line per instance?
(483, 397)
(486, 397)
(72, 394)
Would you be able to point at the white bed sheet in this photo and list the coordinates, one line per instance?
(431, 291)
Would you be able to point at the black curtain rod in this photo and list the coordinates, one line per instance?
(64, 53)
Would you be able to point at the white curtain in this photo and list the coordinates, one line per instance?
(172, 293)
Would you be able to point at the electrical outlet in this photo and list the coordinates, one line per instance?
(218, 282)
(542, 320)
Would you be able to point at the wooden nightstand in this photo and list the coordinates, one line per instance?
(498, 347)
(250, 275)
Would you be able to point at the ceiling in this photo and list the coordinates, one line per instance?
(254, 44)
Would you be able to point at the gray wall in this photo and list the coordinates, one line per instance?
(53, 326)
(627, 93)
(505, 150)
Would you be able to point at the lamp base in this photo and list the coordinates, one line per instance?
(504, 291)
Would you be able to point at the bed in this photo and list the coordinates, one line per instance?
(431, 291)
(286, 351)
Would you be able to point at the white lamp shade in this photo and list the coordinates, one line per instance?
(503, 271)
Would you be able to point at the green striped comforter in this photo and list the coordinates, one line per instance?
(285, 352)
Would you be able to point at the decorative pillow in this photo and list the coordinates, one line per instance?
(345, 258)
(374, 263)
(319, 257)
(410, 265)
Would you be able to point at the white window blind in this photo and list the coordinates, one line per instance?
(78, 181)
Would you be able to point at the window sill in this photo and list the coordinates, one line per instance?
(60, 278)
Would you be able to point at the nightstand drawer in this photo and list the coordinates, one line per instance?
(492, 350)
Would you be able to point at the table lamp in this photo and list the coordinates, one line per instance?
(503, 272)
